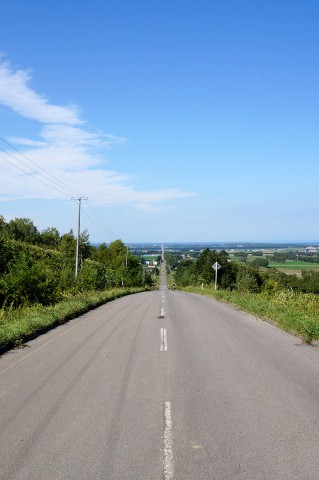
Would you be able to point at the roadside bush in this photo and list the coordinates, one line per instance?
(94, 276)
(28, 282)
(248, 279)
(247, 282)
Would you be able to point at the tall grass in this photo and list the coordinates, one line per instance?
(297, 313)
(19, 325)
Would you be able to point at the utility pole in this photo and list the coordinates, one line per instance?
(126, 256)
(78, 236)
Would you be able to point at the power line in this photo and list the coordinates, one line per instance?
(51, 178)
(98, 226)
(54, 184)
(32, 175)
(99, 218)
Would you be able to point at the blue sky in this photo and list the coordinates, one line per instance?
(180, 120)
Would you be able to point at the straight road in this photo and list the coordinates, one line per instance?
(160, 385)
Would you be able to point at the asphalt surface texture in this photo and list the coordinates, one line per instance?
(161, 385)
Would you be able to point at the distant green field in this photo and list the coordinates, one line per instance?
(150, 258)
(294, 265)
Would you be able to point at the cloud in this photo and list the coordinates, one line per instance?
(68, 151)
(70, 135)
(16, 94)
(68, 147)
(27, 142)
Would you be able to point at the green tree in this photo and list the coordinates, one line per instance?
(260, 262)
(127, 268)
(22, 229)
(185, 273)
(68, 246)
(310, 282)
(85, 248)
(50, 238)
(279, 257)
(248, 279)
(100, 254)
(204, 266)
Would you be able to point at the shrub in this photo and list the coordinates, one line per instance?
(247, 282)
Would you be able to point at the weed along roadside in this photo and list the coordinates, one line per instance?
(17, 326)
(295, 313)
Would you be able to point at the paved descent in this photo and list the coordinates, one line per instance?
(158, 385)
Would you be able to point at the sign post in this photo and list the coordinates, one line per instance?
(216, 267)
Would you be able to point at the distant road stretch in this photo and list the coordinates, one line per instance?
(160, 385)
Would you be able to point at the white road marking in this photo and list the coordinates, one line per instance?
(162, 312)
(163, 347)
(168, 442)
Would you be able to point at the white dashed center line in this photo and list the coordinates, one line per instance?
(163, 347)
(168, 443)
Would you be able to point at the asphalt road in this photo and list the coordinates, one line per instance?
(160, 385)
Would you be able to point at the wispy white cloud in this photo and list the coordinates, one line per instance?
(68, 151)
(70, 135)
(27, 142)
(16, 94)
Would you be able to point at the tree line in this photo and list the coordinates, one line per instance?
(39, 267)
(239, 276)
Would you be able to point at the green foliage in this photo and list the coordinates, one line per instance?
(185, 273)
(126, 267)
(40, 268)
(172, 259)
(247, 278)
(148, 280)
(242, 255)
(50, 238)
(308, 258)
(67, 247)
(310, 282)
(7, 253)
(280, 257)
(21, 229)
(28, 281)
(200, 271)
(100, 254)
(247, 282)
(260, 262)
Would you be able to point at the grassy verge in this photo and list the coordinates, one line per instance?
(296, 313)
(19, 326)
(169, 279)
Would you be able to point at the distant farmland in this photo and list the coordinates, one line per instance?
(293, 267)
